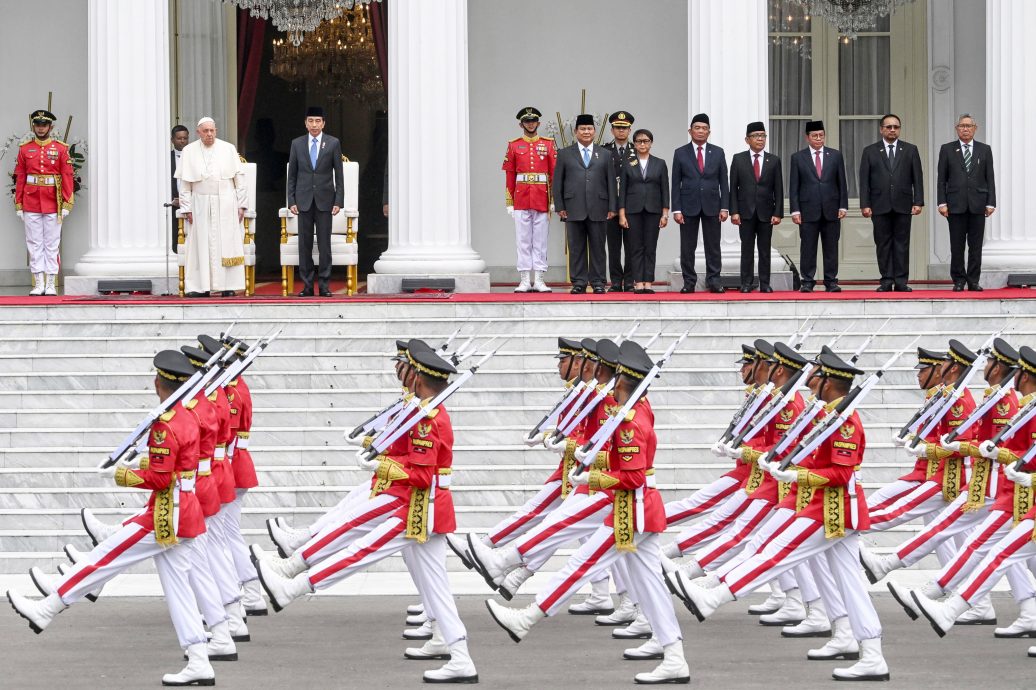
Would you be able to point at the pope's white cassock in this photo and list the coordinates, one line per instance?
(212, 187)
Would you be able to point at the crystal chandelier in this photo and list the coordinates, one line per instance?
(337, 58)
(297, 17)
(851, 17)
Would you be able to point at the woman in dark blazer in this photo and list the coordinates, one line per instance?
(643, 208)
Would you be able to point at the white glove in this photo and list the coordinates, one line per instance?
(1022, 478)
(788, 476)
(582, 456)
(107, 472)
(580, 479)
(364, 464)
(132, 463)
(719, 449)
(510, 211)
(21, 216)
(901, 441)
(734, 453)
(988, 450)
(533, 440)
(949, 445)
(64, 212)
(764, 461)
(358, 441)
(558, 446)
(918, 450)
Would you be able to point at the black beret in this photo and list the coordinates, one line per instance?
(700, 117)
(173, 366)
(584, 119)
(754, 127)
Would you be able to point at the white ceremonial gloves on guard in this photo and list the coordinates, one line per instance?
(510, 211)
(64, 213)
(734, 453)
(534, 440)
(900, 442)
(578, 478)
(552, 208)
(1020, 478)
(358, 441)
(21, 216)
(919, 450)
(364, 464)
(949, 445)
(988, 450)
(558, 446)
(719, 449)
(764, 461)
(788, 476)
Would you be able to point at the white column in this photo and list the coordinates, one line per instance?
(128, 67)
(728, 79)
(1011, 110)
(429, 185)
(201, 58)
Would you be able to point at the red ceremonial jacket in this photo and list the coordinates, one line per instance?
(1013, 498)
(204, 414)
(427, 462)
(50, 168)
(221, 468)
(761, 485)
(529, 171)
(244, 468)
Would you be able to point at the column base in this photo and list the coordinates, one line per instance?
(87, 285)
(392, 283)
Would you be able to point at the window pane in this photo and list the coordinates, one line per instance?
(786, 137)
(863, 76)
(854, 135)
(791, 76)
(788, 16)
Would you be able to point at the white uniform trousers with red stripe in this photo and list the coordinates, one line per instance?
(236, 541)
(950, 523)
(890, 493)
(357, 495)
(530, 514)
(645, 570)
(979, 542)
(798, 542)
(778, 520)
(427, 565)
(203, 582)
(129, 546)
(735, 537)
(338, 533)
(221, 565)
(901, 502)
(1017, 547)
(708, 530)
(701, 501)
(577, 517)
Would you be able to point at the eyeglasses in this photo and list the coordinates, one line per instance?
(966, 126)
(641, 141)
(890, 126)
(756, 136)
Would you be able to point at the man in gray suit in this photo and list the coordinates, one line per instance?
(586, 198)
(315, 193)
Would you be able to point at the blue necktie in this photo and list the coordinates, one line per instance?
(313, 153)
(586, 157)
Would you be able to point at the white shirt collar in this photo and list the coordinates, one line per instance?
(318, 137)
(962, 144)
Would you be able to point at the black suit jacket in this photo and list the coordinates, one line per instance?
(639, 193)
(320, 186)
(585, 192)
(696, 192)
(817, 198)
(175, 192)
(895, 187)
(750, 199)
(961, 191)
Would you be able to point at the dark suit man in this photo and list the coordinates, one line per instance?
(700, 195)
(585, 197)
(622, 148)
(315, 193)
(180, 136)
(756, 203)
(891, 191)
(966, 194)
(819, 198)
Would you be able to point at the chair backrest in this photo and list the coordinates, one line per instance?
(350, 185)
(250, 173)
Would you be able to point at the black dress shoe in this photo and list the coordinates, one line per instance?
(975, 288)
(615, 288)
(306, 292)
(745, 289)
(903, 288)
(627, 288)
(766, 288)
(647, 291)
(833, 288)
(717, 289)
(884, 288)
(578, 289)
(197, 294)
(958, 287)
(686, 289)
(228, 293)
(805, 288)
(324, 292)
(599, 290)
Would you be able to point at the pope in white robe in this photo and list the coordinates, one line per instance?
(213, 199)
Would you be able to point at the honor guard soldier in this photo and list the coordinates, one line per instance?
(529, 169)
(622, 150)
(43, 196)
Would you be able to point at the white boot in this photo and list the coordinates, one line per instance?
(287, 540)
(538, 285)
(980, 613)
(941, 614)
(459, 669)
(97, 531)
(494, 564)
(221, 647)
(842, 644)
(517, 622)
(673, 668)
(815, 623)
(687, 572)
(414, 609)
(1025, 625)
(252, 599)
(75, 555)
(38, 283)
(417, 619)
(236, 621)
(623, 614)
(671, 550)
(281, 590)
(871, 665)
(512, 581)
(704, 602)
(792, 612)
(599, 603)
(876, 567)
(46, 584)
(434, 648)
(525, 285)
(772, 604)
(285, 567)
(1032, 652)
(459, 546)
(422, 632)
(652, 649)
(901, 594)
(198, 670)
(50, 288)
(639, 629)
(39, 612)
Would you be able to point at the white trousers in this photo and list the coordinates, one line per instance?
(530, 514)
(577, 517)
(427, 565)
(901, 502)
(203, 582)
(1017, 547)
(342, 531)
(236, 541)
(129, 546)
(736, 536)
(950, 523)
(708, 530)
(42, 239)
(800, 541)
(979, 542)
(530, 233)
(221, 564)
(701, 501)
(645, 570)
(357, 495)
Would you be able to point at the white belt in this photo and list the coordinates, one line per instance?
(186, 483)
(532, 178)
(219, 453)
(41, 179)
(444, 480)
(649, 481)
(854, 509)
(205, 467)
(242, 443)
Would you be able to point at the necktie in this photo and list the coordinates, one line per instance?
(892, 153)
(701, 160)
(755, 167)
(967, 157)
(313, 153)
(820, 168)
(586, 156)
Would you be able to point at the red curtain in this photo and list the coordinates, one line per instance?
(250, 33)
(379, 27)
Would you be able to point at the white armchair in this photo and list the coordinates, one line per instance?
(344, 228)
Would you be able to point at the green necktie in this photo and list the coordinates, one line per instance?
(967, 157)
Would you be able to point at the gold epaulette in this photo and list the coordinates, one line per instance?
(167, 415)
(631, 414)
(518, 138)
(190, 404)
